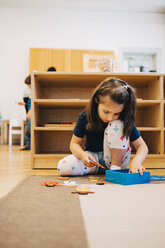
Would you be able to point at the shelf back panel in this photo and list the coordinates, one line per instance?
(52, 142)
(148, 116)
(47, 115)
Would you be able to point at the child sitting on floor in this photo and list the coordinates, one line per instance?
(108, 124)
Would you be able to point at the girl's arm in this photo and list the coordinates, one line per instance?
(141, 153)
(76, 149)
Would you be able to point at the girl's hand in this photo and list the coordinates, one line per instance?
(135, 166)
(86, 158)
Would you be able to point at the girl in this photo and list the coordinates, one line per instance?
(108, 124)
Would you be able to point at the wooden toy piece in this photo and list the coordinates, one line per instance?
(100, 183)
(123, 177)
(62, 178)
(82, 191)
(94, 179)
(51, 183)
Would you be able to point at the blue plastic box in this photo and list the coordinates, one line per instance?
(123, 177)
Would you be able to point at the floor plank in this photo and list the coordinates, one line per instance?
(15, 165)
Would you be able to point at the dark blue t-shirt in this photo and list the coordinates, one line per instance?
(94, 140)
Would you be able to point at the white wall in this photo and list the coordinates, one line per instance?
(22, 28)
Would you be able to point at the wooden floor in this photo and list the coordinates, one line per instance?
(15, 165)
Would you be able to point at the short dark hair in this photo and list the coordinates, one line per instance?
(52, 68)
(28, 80)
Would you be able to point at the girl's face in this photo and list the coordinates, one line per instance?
(109, 110)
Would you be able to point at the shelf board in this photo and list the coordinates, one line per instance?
(55, 155)
(60, 127)
(145, 103)
(50, 155)
(69, 127)
(83, 102)
(63, 79)
(149, 128)
(61, 102)
(152, 156)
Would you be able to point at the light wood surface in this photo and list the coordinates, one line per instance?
(16, 165)
(62, 59)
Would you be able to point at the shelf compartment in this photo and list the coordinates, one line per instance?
(52, 141)
(58, 113)
(148, 115)
(164, 140)
(164, 87)
(81, 85)
(153, 161)
(147, 87)
(47, 161)
(164, 114)
(152, 139)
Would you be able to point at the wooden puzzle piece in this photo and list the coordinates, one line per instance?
(100, 183)
(51, 183)
(62, 178)
(82, 191)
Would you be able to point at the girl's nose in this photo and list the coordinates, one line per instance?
(110, 117)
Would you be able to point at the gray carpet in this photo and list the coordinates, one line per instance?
(35, 216)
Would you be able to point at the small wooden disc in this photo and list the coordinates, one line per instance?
(83, 193)
(49, 185)
(63, 178)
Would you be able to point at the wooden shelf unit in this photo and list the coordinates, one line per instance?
(61, 96)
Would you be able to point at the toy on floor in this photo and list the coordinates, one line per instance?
(70, 183)
(82, 191)
(94, 179)
(51, 183)
(123, 177)
(62, 178)
(157, 178)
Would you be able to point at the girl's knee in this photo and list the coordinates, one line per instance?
(70, 166)
(73, 166)
(63, 166)
(113, 136)
(115, 126)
